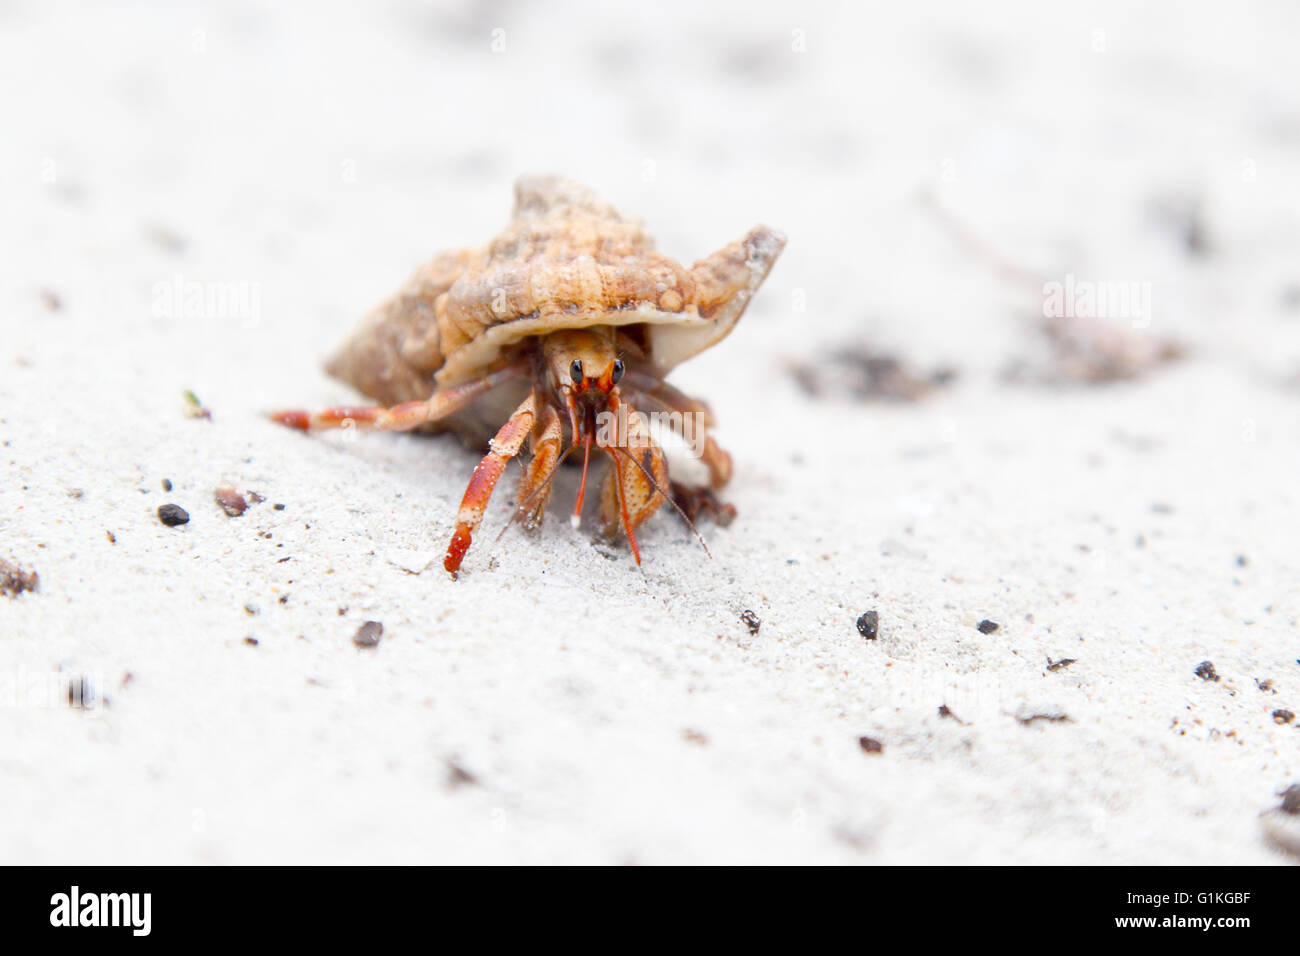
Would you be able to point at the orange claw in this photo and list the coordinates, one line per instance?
(460, 542)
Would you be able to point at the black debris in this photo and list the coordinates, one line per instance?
(172, 515)
(1283, 716)
(1063, 662)
(987, 627)
(945, 711)
(869, 625)
(871, 745)
(1205, 671)
(751, 621)
(167, 484)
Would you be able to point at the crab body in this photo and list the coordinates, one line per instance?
(563, 328)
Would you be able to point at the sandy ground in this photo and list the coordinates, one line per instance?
(556, 704)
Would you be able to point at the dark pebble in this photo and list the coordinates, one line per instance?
(871, 745)
(1283, 716)
(1205, 671)
(987, 627)
(172, 515)
(167, 484)
(1291, 799)
(251, 641)
(751, 621)
(368, 634)
(278, 507)
(869, 625)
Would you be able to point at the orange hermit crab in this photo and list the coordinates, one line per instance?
(571, 319)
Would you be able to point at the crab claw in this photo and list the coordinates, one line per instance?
(633, 486)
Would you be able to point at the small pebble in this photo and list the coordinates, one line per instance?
(871, 745)
(751, 621)
(231, 501)
(278, 507)
(1283, 716)
(167, 484)
(368, 634)
(172, 515)
(987, 627)
(1205, 671)
(869, 625)
(1291, 799)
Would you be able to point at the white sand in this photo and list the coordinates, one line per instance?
(314, 155)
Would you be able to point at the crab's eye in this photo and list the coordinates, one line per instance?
(575, 372)
(618, 371)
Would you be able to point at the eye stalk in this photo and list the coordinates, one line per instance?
(618, 371)
(575, 371)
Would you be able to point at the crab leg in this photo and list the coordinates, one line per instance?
(535, 487)
(633, 486)
(504, 446)
(660, 396)
(401, 417)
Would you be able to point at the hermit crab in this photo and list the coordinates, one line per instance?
(564, 329)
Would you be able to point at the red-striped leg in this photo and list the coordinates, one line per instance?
(633, 486)
(402, 417)
(504, 446)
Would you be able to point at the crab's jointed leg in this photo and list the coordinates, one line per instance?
(634, 486)
(658, 395)
(402, 417)
(504, 446)
(535, 486)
